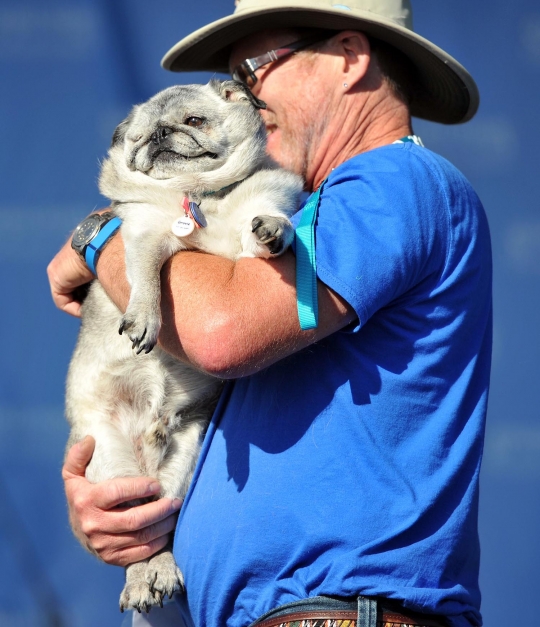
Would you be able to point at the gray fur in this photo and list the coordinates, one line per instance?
(148, 412)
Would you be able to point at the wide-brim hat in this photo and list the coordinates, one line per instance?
(443, 90)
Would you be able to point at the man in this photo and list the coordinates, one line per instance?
(339, 477)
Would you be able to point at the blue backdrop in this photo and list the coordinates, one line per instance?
(69, 72)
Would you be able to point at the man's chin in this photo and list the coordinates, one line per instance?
(275, 148)
(273, 143)
(278, 151)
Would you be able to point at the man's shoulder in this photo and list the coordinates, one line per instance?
(404, 159)
(405, 174)
(397, 175)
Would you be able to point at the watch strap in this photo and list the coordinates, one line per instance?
(94, 247)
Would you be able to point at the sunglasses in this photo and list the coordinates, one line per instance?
(245, 71)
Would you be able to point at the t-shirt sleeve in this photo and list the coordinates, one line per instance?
(381, 229)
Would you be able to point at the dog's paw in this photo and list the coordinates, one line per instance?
(142, 330)
(276, 233)
(138, 595)
(163, 575)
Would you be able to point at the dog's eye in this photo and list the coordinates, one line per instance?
(193, 121)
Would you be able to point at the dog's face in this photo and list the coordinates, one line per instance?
(189, 128)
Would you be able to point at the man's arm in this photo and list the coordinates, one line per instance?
(227, 318)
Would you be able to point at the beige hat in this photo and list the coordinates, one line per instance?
(443, 92)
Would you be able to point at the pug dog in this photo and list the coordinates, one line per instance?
(186, 170)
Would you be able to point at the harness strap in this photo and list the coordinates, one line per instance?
(306, 264)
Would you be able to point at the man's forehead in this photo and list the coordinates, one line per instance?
(260, 42)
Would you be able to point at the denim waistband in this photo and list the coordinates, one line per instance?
(365, 607)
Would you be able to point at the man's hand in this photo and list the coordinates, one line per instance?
(66, 272)
(118, 536)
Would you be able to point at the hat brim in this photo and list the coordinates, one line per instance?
(443, 91)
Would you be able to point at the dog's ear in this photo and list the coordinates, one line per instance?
(234, 91)
(120, 131)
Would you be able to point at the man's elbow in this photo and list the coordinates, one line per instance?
(219, 350)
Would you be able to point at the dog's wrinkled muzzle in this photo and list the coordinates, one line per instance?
(166, 149)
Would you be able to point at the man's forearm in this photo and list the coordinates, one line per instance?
(227, 318)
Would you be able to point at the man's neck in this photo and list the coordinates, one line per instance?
(360, 126)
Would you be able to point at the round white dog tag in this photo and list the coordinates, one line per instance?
(182, 227)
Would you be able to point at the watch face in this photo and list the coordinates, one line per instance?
(86, 231)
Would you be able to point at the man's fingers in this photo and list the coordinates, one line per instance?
(66, 272)
(68, 305)
(133, 519)
(78, 458)
(146, 536)
(124, 537)
(123, 557)
(109, 494)
(145, 519)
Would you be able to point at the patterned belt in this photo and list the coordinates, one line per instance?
(340, 618)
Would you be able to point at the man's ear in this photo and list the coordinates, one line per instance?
(356, 53)
(234, 91)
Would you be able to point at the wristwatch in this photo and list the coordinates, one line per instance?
(91, 235)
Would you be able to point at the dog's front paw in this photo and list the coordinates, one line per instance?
(163, 575)
(274, 232)
(138, 595)
(142, 330)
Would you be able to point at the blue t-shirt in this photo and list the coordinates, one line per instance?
(351, 467)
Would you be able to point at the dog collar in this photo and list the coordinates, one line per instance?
(205, 194)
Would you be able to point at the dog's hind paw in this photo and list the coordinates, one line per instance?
(276, 233)
(139, 596)
(163, 575)
(142, 331)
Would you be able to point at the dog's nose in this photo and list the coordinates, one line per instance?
(160, 134)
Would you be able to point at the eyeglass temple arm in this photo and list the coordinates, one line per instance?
(274, 55)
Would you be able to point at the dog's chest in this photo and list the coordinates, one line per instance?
(155, 216)
(207, 226)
